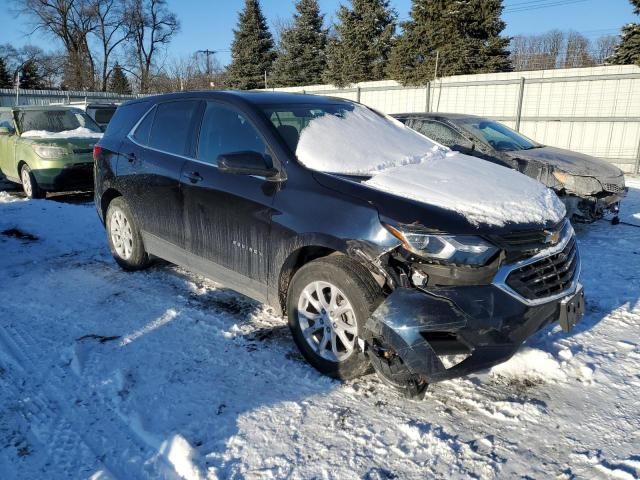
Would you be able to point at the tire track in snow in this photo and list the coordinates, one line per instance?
(66, 450)
(83, 437)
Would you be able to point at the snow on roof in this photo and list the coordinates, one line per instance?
(80, 132)
(407, 164)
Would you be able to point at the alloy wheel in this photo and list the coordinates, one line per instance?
(327, 321)
(121, 234)
(26, 182)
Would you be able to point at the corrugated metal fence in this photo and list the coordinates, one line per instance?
(9, 97)
(590, 110)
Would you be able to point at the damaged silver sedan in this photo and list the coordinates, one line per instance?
(588, 186)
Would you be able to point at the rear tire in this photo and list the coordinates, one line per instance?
(30, 184)
(123, 235)
(328, 304)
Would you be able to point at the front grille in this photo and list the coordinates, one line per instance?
(613, 187)
(520, 245)
(548, 276)
(81, 151)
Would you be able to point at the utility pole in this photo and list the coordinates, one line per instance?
(18, 88)
(435, 73)
(208, 53)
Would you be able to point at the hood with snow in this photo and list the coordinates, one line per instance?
(400, 162)
(80, 132)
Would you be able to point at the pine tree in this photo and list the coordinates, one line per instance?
(360, 49)
(628, 51)
(252, 52)
(30, 77)
(302, 57)
(5, 76)
(462, 35)
(118, 82)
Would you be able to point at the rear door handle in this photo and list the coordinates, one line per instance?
(194, 177)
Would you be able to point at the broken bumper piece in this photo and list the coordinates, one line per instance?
(420, 327)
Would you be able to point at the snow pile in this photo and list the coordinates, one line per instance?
(530, 363)
(361, 142)
(80, 132)
(5, 197)
(482, 191)
(408, 164)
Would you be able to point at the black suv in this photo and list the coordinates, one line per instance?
(225, 184)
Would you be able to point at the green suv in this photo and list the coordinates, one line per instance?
(47, 148)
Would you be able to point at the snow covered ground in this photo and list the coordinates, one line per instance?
(162, 374)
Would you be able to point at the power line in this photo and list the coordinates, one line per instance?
(539, 6)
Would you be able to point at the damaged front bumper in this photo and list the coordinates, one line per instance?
(588, 198)
(592, 208)
(417, 327)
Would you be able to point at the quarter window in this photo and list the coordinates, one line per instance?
(225, 130)
(141, 135)
(172, 127)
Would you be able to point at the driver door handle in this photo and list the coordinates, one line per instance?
(194, 177)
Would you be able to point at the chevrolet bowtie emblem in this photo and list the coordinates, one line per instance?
(552, 237)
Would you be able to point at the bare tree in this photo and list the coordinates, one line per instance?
(556, 49)
(605, 47)
(577, 52)
(152, 27)
(71, 21)
(112, 30)
(187, 73)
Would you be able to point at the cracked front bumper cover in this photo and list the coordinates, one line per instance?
(488, 324)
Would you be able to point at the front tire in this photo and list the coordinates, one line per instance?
(328, 303)
(125, 240)
(30, 184)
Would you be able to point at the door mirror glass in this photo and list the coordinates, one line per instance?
(246, 163)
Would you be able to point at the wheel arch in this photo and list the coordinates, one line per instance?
(106, 198)
(293, 262)
(19, 165)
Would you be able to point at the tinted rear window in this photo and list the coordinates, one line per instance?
(103, 115)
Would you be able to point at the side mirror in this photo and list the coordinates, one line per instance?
(247, 163)
(5, 131)
(464, 146)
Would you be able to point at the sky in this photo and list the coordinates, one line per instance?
(208, 24)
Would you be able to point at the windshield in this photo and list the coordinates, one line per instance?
(348, 138)
(55, 121)
(499, 136)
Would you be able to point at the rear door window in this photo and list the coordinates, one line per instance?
(225, 130)
(440, 132)
(173, 127)
(5, 120)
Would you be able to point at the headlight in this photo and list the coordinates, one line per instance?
(459, 249)
(578, 184)
(43, 151)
